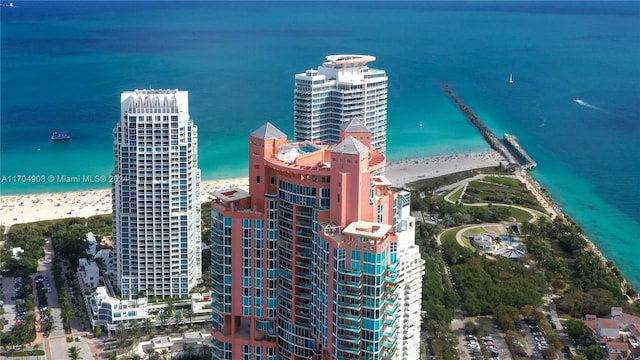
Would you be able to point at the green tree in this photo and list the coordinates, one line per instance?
(594, 352)
(74, 353)
(506, 317)
(170, 307)
(578, 332)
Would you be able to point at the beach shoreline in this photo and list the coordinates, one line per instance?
(26, 208)
(31, 207)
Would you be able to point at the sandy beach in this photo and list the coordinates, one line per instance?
(403, 172)
(15, 209)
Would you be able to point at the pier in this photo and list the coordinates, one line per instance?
(510, 149)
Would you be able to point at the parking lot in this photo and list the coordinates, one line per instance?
(487, 340)
(13, 304)
(534, 339)
(43, 287)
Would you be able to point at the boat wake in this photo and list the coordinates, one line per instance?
(590, 106)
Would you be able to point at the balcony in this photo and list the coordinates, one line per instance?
(390, 320)
(391, 287)
(391, 309)
(351, 295)
(303, 255)
(349, 305)
(390, 331)
(349, 272)
(349, 349)
(349, 316)
(393, 267)
(303, 305)
(391, 277)
(352, 284)
(354, 288)
(349, 326)
(391, 296)
(304, 315)
(389, 354)
(390, 344)
(350, 339)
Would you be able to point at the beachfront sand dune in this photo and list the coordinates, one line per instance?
(15, 209)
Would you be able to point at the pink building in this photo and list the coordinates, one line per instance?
(317, 260)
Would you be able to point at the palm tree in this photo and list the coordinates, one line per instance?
(74, 353)
(66, 317)
(164, 353)
(135, 328)
(121, 335)
(170, 307)
(148, 327)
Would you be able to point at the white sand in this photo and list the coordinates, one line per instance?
(403, 172)
(16, 209)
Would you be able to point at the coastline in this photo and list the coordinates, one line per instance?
(25, 208)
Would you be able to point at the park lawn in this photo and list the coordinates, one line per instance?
(500, 190)
(455, 195)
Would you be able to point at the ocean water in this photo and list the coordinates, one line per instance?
(64, 65)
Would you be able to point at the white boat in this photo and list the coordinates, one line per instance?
(510, 78)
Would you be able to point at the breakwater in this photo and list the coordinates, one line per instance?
(526, 162)
(510, 154)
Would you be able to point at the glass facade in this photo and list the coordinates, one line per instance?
(332, 94)
(156, 213)
(312, 286)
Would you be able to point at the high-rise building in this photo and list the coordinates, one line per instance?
(343, 88)
(318, 259)
(156, 212)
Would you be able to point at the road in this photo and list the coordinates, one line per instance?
(56, 345)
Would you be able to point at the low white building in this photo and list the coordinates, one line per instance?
(190, 342)
(201, 303)
(93, 244)
(161, 342)
(107, 257)
(109, 311)
(89, 273)
(485, 242)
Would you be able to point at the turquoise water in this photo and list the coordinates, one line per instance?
(64, 65)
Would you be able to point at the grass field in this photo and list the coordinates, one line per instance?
(500, 190)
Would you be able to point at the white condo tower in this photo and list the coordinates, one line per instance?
(156, 210)
(343, 88)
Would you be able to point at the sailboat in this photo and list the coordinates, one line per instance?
(510, 78)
